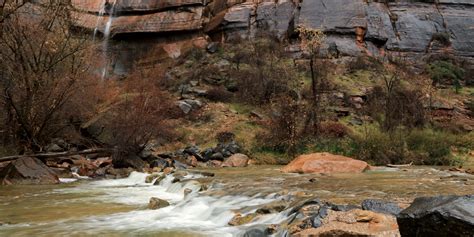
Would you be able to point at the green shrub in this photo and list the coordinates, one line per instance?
(442, 37)
(442, 72)
(430, 147)
(420, 146)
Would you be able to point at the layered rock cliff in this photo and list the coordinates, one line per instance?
(410, 28)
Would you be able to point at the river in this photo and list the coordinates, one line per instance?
(119, 207)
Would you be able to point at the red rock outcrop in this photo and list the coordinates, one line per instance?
(325, 163)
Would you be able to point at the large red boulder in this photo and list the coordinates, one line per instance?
(325, 163)
(27, 170)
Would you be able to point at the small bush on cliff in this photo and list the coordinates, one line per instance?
(445, 72)
(442, 37)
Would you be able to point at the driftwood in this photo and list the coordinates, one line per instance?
(59, 154)
(400, 166)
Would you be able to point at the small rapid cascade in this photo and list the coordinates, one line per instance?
(192, 214)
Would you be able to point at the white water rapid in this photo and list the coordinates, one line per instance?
(194, 214)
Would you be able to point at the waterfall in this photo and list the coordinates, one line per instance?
(99, 19)
(107, 30)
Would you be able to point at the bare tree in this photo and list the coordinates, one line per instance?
(311, 41)
(42, 62)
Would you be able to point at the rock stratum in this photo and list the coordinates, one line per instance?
(410, 29)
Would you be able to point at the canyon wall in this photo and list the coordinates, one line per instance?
(414, 29)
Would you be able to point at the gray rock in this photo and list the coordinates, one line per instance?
(212, 47)
(381, 206)
(217, 156)
(195, 104)
(185, 107)
(255, 232)
(458, 19)
(415, 25)
(276, 18)
(379, 25)
(438, 216)
(336, 16)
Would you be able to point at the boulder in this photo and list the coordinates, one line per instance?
(381, 206)
(354, 223)
(156, 203)
(236, 160)
(131, 161)
(438, 216)
(325, 163)
(27, 170)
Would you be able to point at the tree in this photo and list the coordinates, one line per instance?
(311, 41)
(9, 7)
(42, 64)
(392, 105)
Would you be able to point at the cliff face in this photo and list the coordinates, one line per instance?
(355, 27)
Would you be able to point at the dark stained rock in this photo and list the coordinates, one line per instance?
(438, 216)
(131, 161)
(381, 206)
(27, 170)
(276, 17)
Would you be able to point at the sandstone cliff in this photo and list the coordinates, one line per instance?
(408, 28)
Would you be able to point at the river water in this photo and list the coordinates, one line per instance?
(119, 207)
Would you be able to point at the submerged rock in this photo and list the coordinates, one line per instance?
(438, 216)
(240, 219)
(325, 163)
(381, 206)
(156, 203)
(157, 177)
(27, 170)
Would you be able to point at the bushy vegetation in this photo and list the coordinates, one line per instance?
(446, 72)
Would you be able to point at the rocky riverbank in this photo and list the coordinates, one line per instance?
(251, 201)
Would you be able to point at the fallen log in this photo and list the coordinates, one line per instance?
(59, 154)
(399, 166)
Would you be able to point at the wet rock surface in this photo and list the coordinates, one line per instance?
(381, 206)
(438, 216)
